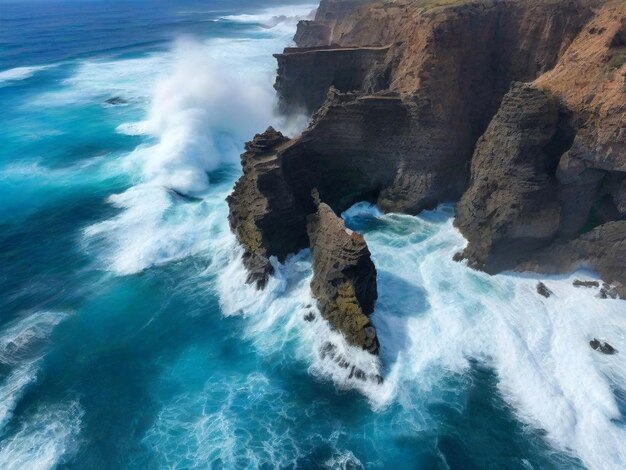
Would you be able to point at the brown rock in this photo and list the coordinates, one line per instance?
(511, 207)
(344, 279)
(262, 206)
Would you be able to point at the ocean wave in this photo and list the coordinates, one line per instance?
(22, 345)
(215, 96)
(286, 16)
(13, 388)
(44, 440)
(20, 73)
(435, 315)
(24, 339)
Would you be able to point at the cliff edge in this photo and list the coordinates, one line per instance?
(514, 108)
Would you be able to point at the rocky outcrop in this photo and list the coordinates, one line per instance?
(515, 107)
(262, 207)
(603, 248)
(572, 181)
(346, 69)
(511, 207)
(602, 346)
(344, 280)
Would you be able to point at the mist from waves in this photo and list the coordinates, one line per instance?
(294, 396)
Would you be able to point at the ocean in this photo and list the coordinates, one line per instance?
(128, 337)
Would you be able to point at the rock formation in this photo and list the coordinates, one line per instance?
(511, 207)
(517, 108)
(345, 277)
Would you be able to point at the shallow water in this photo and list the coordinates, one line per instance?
(128, 338)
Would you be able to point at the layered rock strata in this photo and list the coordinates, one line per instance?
(515, 107)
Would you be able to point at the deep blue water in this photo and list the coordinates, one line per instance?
(128, 338)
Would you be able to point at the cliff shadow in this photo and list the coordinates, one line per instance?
(398, 302)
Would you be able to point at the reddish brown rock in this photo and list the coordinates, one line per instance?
(344, 280)
(512, 204)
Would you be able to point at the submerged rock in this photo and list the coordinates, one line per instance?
(602, 346)
(116, 100)
(608, 292)
(542, 289)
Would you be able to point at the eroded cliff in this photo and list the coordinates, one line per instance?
(515, 107)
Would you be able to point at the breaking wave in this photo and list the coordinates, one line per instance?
(20, 73)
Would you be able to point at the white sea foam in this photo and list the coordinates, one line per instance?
(434, 315)
(44, 439)
(283, 17)
(96, 80)
(276, 317)
(13, 388)
(23, 340)
(210, 99)
(22, 345)
(20, 73)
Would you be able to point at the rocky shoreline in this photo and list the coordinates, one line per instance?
(514, 108)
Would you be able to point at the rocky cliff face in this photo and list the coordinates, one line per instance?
(511, 206)
(554, 193)
(515, 107)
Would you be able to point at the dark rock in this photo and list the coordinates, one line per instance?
(344, 278)
(608, 292)
(604, 248)
(309, 317)
(579, 283)
(542, 289)
(357, 373)
(116, 100)
(328, 349)
(602, 346)
(346, 69)
(262, 212)
(511, 207)
(458, 257)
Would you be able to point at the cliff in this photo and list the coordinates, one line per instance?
(514, 108)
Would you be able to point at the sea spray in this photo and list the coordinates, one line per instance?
(215, 96)
(435, 315)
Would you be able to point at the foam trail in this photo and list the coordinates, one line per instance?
(44, 440)
(12, 390)
(20, 73)
(434, 315)
(22, 345)
(23, 340)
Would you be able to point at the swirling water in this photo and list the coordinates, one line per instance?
(128, 338)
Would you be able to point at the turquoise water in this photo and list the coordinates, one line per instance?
(128, 338)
